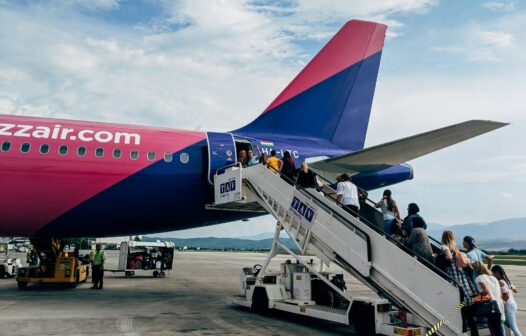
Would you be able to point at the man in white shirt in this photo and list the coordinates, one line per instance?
(347, 194)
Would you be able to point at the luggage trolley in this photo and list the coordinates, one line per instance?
(145, 258)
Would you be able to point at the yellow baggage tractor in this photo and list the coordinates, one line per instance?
(54, 266)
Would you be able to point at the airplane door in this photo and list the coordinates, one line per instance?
(221, 152)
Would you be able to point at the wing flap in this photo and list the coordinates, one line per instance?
(393, 153)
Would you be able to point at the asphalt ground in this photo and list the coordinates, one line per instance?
(194, 300)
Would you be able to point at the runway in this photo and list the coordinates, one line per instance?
(194, 300)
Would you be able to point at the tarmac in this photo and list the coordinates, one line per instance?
(194, 300)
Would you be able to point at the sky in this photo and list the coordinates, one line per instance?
(216, 64)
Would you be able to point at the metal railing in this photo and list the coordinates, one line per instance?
(367, 222)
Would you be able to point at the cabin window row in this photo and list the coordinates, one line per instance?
(81, 151)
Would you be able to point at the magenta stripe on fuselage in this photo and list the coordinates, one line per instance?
(37, 188)
(356, 41)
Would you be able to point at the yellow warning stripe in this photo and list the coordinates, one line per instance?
(442, 321)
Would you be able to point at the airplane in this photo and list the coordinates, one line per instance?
(66, 178)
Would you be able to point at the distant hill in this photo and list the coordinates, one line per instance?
(223, 243)
(506, 233)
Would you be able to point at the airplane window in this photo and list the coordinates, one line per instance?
(151, 155)
(6, 146)
(117, 153)
(134, 154)
(44, 149)
(184, 157)
(63, 150)
(99, 152)
(168, 157)
(81, 151)
(25, 147)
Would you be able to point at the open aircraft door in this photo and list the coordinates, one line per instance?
(221, 152)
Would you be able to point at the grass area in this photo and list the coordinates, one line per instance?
(510, 256)
(510, 262)
(510, 259)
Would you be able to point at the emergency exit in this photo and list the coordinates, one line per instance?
(221, 152)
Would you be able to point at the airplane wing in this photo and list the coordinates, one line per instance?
(390, 154)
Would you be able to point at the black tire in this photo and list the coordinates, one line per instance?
(162, 274)
(361, 316)
(2, 271)
(22, 284)
(260, 301)
(128, 274)
(155, 274)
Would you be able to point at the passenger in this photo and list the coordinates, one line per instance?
(242, 157)
(263, 158)
(449, 250)
(412, 211)
(390, 211)
(306, 178)
(274, 163)
(251, 158)
(510, 305)
(98, 259)
(489, 286)
(289, 168)
(397, 233)
(474, 254)
(418, 241)
(347, 194)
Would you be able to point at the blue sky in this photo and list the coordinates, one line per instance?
(215, 65)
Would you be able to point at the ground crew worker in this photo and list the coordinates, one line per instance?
(98, 259)
(32, 259)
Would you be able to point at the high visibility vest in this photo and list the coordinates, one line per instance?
(98, 258)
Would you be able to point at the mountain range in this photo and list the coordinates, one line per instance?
(501, 234)
(498, 235)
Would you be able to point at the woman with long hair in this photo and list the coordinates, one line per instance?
(510, 305)
(390, 211)
(449, 250)
(288, 169)
(489, 286)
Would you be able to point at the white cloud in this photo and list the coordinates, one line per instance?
(480, 45)
(506, 195)
(499, 5)
(496, 39)
(104, 5)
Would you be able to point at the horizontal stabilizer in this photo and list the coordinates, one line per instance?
(393, 153)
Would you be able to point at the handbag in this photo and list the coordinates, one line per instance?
(461, 260)
(441, 262)
(485, 307)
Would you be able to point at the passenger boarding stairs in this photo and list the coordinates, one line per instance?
(318, 224)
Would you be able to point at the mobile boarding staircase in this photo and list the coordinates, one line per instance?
(321, 226)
